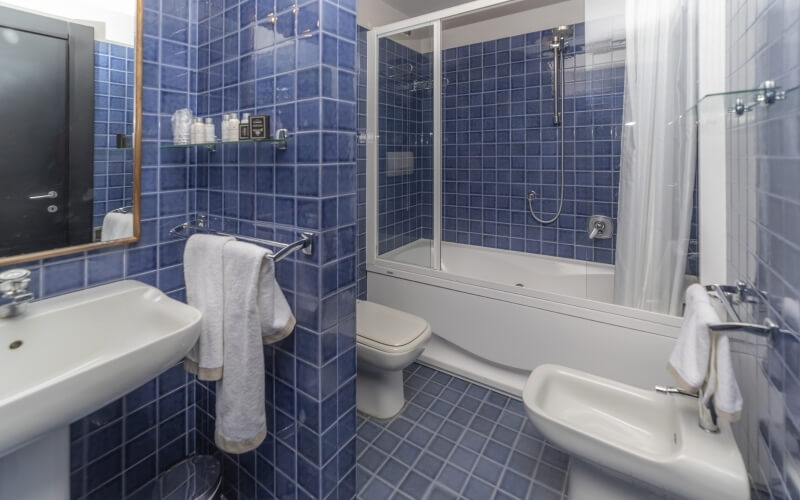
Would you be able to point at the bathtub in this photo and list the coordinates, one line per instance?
(498, 314)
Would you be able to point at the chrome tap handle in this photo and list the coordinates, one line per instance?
(14, 294)
(598, 229)
(14, 281)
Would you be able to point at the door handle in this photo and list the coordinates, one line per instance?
(49, 195)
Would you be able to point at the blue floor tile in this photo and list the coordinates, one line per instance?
(455, 439)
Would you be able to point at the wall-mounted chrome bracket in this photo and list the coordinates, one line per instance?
(768, 93)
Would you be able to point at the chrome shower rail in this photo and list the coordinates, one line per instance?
(741, 293)
(305, 243)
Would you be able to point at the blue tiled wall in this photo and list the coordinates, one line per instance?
(117, 450)
(405, 122)
(763, 235)
(361, 165)
(500, 142)
(113, 114)
(297, 64)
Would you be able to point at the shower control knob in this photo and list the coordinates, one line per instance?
(601, 227)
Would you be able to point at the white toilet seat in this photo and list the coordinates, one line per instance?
(389, 330)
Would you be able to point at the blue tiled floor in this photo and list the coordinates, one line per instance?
(453, 440)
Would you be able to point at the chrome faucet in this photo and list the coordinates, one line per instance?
(600, 227)
(707, 417)
(14, 293)
(597, 230)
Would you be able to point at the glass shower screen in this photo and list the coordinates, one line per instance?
(405, 147)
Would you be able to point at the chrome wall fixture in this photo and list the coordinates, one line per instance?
(305, 243)
(768, 93)
(742, 293)
(601, 227)
(559, 45)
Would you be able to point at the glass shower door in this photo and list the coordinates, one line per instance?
(406, 154)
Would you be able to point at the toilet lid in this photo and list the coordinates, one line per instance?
(387, 326)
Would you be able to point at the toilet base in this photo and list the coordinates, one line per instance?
(380, 394)
(589, 482)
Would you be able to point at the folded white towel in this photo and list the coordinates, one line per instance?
(203, 271)
(689, 361)
(722, 385)
(277, 319)
(255, 310)
(116, 226)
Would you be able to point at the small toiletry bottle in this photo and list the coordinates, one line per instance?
(233, 128)
(210, 133)
(244, 128)
(198, 131)
(224, 127)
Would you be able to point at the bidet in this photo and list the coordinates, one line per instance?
(629, 443)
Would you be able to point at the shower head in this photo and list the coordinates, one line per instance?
(560, 35)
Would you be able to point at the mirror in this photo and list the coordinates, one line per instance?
(68, 88)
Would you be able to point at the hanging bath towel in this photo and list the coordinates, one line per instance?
(249, 313)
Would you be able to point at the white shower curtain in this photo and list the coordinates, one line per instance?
(659, 149)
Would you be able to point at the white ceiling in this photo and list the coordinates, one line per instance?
(414, 8)
(373, 13)
(418, 7)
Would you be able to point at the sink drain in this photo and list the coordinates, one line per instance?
(15, 345)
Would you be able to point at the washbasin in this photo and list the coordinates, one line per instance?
(630, 442)
(68, 356)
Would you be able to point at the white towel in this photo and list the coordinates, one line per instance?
(255, 310)
(722, 385)
(116, 226)
(202, 269)
(689, 360)
(277, 320)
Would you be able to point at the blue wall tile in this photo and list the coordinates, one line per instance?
(499, 142)
(113, 451)
(274, 194)
(763, 240)
(113, 168)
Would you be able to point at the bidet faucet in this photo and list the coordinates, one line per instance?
(707, 417)
(14, 294)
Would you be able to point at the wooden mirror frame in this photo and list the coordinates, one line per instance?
(137, 166)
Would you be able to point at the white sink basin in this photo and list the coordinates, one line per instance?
(641, 435)
(83, 350)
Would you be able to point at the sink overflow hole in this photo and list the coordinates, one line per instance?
(521, 285)
(15, 345)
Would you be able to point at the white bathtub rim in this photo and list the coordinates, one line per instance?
(637, 319)
(418, 272)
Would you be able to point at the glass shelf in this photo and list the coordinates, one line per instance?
(279, 143)
(739, 102)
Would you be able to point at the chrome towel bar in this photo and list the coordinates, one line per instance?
(729, 295)
(305, 243)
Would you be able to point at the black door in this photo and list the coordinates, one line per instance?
(34, 141)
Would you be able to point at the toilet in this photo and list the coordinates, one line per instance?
(387, 341)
